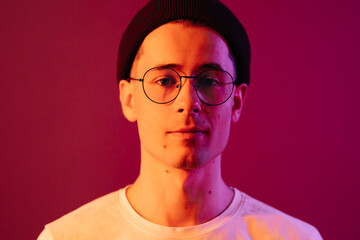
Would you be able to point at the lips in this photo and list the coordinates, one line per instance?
(188, 132)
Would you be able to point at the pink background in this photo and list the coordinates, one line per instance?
(65, 142)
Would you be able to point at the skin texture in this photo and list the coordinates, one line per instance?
(182, 141)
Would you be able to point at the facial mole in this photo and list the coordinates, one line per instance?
(164, 146)
(167, 171)
(219, 115)
(209, 192)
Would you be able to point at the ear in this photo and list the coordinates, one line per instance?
(239, 99)
(127, 100)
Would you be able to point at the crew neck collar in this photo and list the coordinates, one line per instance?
(164, 231)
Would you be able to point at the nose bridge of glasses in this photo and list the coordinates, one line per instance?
(192, 88)
(191, 78)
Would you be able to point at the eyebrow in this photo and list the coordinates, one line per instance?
(205, 66)
(170, 65)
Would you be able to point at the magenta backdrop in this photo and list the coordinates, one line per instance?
(65, 142)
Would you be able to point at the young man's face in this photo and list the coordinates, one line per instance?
(184, 133)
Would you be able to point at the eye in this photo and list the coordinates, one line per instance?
(208, 82)
(166, 81)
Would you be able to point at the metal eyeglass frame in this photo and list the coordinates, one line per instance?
(194, 84)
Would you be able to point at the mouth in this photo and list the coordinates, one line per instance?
(187, 133)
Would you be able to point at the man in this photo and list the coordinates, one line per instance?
(183, 72)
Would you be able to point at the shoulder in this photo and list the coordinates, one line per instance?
(93, 208)
(263, 221)
(84, 221)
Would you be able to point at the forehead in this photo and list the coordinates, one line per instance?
(186, 46)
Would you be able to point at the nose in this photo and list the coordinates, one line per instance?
(187, 101)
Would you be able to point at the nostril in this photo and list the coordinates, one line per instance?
(195, 110)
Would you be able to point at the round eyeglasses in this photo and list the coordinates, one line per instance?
(162, 85)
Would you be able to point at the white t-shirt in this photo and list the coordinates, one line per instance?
(112, 217)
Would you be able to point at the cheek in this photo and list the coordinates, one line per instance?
(222, 122)
(150, 121)
(149, 130)
(223, 113)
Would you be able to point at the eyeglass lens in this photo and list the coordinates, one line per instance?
(162, 85)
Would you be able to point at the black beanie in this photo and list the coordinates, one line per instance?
(212, 12)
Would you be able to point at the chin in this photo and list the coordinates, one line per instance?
(191, 162)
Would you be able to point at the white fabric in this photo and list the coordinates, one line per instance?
(112, 217)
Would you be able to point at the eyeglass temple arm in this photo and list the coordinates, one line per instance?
(137, 79)
(194, 77)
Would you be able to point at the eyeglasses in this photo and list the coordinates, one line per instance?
(162, 85)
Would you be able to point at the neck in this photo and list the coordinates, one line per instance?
(178, 197)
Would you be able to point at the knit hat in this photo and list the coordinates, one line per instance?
(212, 12)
